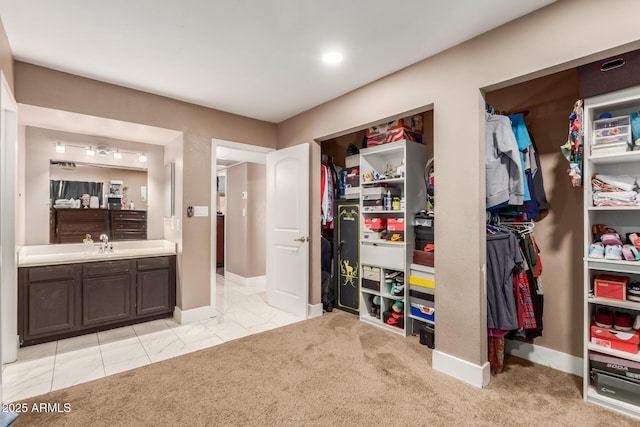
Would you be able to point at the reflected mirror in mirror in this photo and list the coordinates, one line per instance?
(96, 199)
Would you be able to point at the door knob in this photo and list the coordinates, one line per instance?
(301, 239)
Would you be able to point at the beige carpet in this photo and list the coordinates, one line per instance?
(332, 370)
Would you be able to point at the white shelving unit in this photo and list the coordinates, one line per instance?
(391, 256)
(623, 219)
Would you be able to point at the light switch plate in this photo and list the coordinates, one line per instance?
(201, 211)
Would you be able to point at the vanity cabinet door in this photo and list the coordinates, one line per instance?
(156, 286)
(48, 300)
(107, 292)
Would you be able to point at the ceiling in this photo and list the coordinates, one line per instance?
(260, 59)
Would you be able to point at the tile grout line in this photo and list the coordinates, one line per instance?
(53, 371)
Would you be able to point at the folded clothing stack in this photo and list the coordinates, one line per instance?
(615, 190)
(64, 203)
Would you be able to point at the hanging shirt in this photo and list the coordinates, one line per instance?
(504, 177)
(521, 134)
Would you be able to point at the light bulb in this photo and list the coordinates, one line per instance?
(60, 148)
(90, 152)
(117, 155)
(142, 158)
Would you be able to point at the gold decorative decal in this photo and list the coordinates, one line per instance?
(348, 273)
(349, 215)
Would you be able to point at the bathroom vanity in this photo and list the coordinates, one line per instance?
(72, 289)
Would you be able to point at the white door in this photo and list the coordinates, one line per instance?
(288, 229)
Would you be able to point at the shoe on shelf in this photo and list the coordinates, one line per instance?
(634, 240)
(596, 250)
(630, 253)
(613, 252)
(604, 317)
(622, 321)
(611, 239)
(633, 291)
(636, 323)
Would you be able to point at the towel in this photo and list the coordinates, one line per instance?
(624, 182)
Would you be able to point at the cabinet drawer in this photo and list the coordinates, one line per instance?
(129, 225)
(49, 273)
(382, 255)
(149, 263)
(129, 215)
(81, 227)
(129, 235)
(105, 267)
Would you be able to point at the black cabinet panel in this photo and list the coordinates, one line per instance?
(51, 307)
(346, 245)
(106, 299)
(153, 292)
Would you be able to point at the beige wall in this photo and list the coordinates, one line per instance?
(235, 222)
(538, 44)
(40, 149)
(245, 234)
(48, 88)
(173, 152)
(257, 227)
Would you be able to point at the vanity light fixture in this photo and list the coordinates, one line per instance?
(90, 151)
(117, 155)
(142, 158)
(60, 147)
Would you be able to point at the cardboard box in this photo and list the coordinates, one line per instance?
(611, 286)
(615, 365)
(412, 123)
(424, 312)
(395, 224)
(421, 257)
(374, 235)
(616, 340)
(393, 136)
(617, 388)
(352, 161)
(375, 224)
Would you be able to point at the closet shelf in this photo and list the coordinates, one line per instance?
(378, 322)
(422, 319)
(624, 407)
(614, 208)
(619, 266)
(382, 294)
(626, 157)
(382, 242)
(621, 354)
(631, 305)
(382, 212)
(381, 181)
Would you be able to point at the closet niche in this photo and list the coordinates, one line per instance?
(544, 104)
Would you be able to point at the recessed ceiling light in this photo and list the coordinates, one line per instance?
(332, 58)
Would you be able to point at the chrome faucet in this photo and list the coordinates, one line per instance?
(105, 247)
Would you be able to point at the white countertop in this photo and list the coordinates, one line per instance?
(35, 255)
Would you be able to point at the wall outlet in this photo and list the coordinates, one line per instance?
(201, 211)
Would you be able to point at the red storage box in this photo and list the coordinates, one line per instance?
(375, 224)
(395, 224)
(412, 123)
(393, 136)
(611, 286)
(616, 340)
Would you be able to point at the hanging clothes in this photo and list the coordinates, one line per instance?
(503, 256)
(504, 176)
(573, 148)
(326, 197)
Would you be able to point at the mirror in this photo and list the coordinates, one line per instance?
(73, 179)
(96, 199)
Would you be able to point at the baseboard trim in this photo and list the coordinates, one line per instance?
(314, 310)
(246, 281)
(193, 315)
(545, 356)
(468, 372)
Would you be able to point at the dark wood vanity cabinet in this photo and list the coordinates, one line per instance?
(48, 300)
(107, 288)
(56, 302)
(72, 225)
(128, 225)
(154, 286)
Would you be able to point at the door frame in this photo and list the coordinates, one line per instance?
(250, 152)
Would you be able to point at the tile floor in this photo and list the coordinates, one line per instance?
(242, 311)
